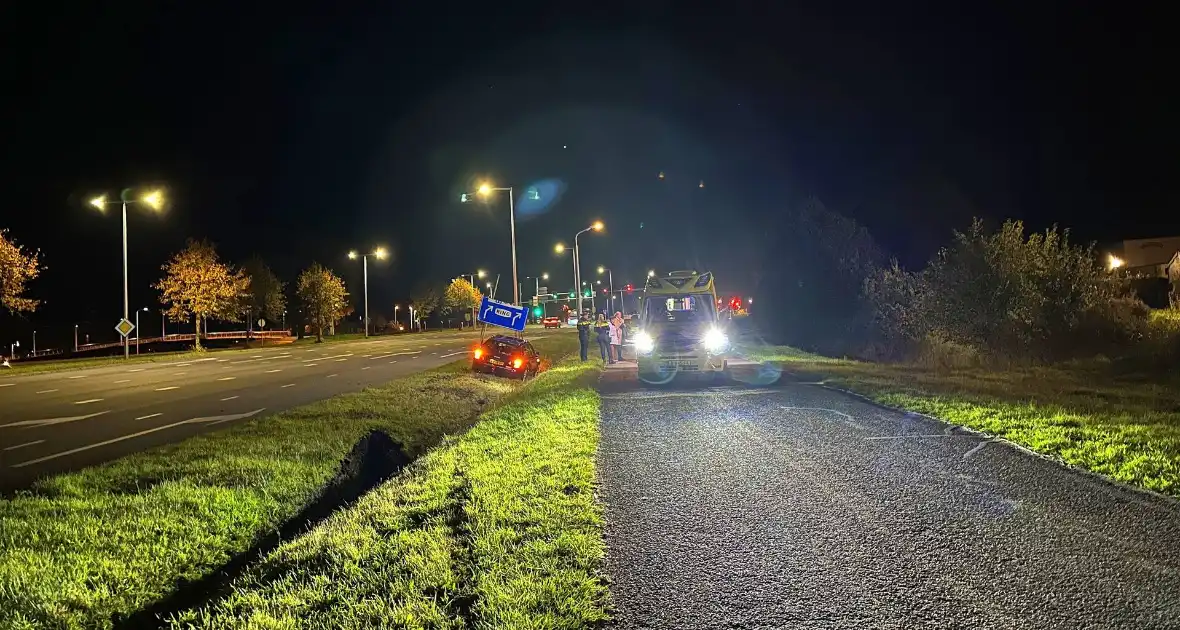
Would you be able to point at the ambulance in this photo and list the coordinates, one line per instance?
(680, 330)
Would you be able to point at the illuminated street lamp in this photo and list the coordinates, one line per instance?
(651, 273)
(155, 201)
(478, 274)
(610, 278)
(485, 190)
(597, 226)
(379, 254)
(137, 332)
(1114, 262)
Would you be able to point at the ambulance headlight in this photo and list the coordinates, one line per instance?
(644, 344)
(715, 341)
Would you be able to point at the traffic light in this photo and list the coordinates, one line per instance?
(573, 295)
(630, 289)
(537, 311)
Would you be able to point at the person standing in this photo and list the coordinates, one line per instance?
(584, 325)
(616, 337)
(602, 332)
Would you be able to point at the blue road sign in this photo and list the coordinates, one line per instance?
(503, 315)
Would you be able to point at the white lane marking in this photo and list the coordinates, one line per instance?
(180, 374)
(975, 449)
(150, 415)
(335, 356)
(121, 381)
(228, 398)
(50, 421)
(437, 344)
(287, 385)
(81, 376)
(845, 418)
(398, 354)
(382, 356)
(256, 356)
(272, 371)
(344, 359)
(366, 367)
(330, 376)
(310, 364)
(222, 360)
(47, 391)
(227, 378)
(183, 364)
(16, 446)
(393, 361)
(209, 420)
(365, 356)
(87, 401)
(135, 370)
(453, 354)
(7, 384)
(164, 389)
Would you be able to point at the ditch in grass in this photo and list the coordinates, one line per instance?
(1088, 414)
(91, 548)
(499, 528)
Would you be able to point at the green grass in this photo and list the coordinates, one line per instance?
(498, 529)
(104, 542)
(1088, 414)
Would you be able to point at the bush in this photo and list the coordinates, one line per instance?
(1006, 295)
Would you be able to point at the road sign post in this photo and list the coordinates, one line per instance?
(502, 314)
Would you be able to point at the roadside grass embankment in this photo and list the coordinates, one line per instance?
(1121, 423)
(499, 528)
(91, 548)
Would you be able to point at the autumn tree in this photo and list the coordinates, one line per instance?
(425, 301)
(266, 291)
(196, 283)
(460, 295)
(324, 297)
(17, 267)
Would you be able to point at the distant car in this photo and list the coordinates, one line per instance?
(551, 322)
(506, 356)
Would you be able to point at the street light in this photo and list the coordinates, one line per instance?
(12, 349)
(651, 273)
(396, 308)
(154, 200)
(1114, 262)
(137, 332)
(610, 277)
(485, 190)
(597, 226)
(379, 254)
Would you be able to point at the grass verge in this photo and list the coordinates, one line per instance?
(60, 365)
(87, 549)
(497, 529)
(1088, 414)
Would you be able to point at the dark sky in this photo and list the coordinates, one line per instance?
(300, 134)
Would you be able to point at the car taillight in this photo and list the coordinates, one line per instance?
(477, 353)
(517, 362)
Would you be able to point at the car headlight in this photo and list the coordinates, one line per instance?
(644, 343)
(715, 341)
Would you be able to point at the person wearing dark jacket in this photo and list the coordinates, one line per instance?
(602, 332)
(584, 325)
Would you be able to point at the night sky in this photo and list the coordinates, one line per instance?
(298, 134)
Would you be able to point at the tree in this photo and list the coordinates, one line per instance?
(460, 295)
(379, 322)
(265, 297)
(17, 267)
(425, 302)
(196, 283)
(324, 297)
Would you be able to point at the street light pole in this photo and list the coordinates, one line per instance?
(153, 199)
(596, 226)
(75, 337)
(485, 190)
(379, 253)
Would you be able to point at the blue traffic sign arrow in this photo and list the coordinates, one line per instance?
(502, 314)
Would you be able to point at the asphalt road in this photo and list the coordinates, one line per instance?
(61, 421)
(798, 507)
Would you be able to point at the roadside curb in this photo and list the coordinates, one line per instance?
(816, 380)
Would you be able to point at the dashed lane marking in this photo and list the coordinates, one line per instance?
(47, 391)
(121, 381)
(87, 401)
(287, 385)
(164, 389)
(228, 398)
(16, 446)
(227, 378)
(150, 415)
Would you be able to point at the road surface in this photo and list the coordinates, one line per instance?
(66, 420)
(798, 507)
